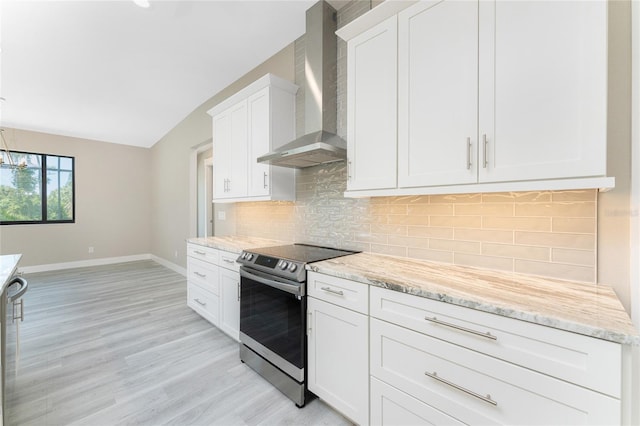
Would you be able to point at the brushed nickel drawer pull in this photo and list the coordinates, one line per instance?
(488, 335)
(330, 290)
(264, 180)
(200, 275)
(485, 142)
(468, 153)
(487, 398)
(199, 302)
(228, 260)
(201, 253)
(309, 320)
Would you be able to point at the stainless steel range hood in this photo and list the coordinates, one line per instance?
(320, 144)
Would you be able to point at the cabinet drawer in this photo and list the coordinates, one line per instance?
(392, 407)
(204, 274)
(204, 303)
(348, 294)
(227, 260)
(583, 360)
(207, 254)
(478, 388)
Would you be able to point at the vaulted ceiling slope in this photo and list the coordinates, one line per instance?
(116, 72)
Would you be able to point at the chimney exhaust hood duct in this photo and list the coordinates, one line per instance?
(320, 144)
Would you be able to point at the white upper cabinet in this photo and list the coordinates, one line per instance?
(438, 93)
(259, 142)
(371, 107)
(247, 125)
(491, 96)
(230, 152)
(543, 89)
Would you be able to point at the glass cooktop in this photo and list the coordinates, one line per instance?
(305, 253)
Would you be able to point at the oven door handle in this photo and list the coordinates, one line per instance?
(297, 289)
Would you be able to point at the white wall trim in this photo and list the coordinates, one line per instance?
(635, 164)
(634, 208)
(176, 268)
(103, 261)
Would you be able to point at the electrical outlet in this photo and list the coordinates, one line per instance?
(222, 215)
(90, 249)
(175, 254)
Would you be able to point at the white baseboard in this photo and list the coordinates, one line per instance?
(164, 262)
(102, 261)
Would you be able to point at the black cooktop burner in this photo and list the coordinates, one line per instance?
(304, 253)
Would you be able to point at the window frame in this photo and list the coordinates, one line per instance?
(43, 191)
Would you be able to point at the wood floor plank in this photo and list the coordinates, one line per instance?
(117, 345)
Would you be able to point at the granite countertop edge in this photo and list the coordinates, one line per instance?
(234, 244)
(469, 301)
(346, 268)
(8, 268)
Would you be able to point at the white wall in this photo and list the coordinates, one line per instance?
(112, 203)
(173, 200)
(613, 206)
(634, 260)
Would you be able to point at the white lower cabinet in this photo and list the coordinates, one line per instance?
(406, 360)
(213, 287)
(230, 302)
(338, 346)
(203, 302)
(389, 406)
(478, 389)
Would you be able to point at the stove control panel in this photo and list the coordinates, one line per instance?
(285, 268)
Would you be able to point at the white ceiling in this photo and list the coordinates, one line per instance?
(116, 72)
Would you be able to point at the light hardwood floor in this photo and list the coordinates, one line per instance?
(116, 344)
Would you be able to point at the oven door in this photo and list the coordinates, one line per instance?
(273, 320)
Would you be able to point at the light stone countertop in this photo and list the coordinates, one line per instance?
(8, 267)
(235, 244)
(584, 308)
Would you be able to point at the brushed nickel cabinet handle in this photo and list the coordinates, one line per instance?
(238, 291)
(264, 180)
(309, 320)
(349, 170)
(199, 302)
(228, 260)
(200, 275)
(485, 142)
(468, 153)
(330, 290)
(486, 399)
(18, 305)
(487, 335)
(201, 253)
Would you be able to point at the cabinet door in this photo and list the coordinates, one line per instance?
(338, 356)
(230, 302)
(259, 142)
(438, 93)
(230, 152)
(237, 185)
(371, 107)
(543, 89)
(221, 153)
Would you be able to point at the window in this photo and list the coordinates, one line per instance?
(40, 192)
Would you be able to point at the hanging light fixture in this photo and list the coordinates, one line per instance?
(5, 148)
